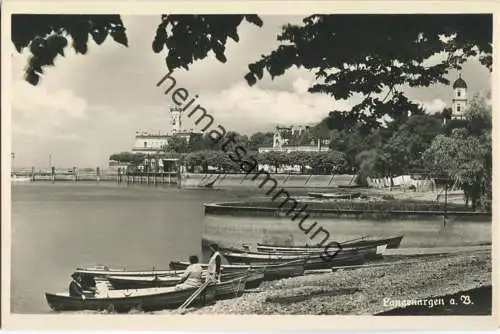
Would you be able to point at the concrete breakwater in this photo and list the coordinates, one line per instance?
(350, 211)
(422, 223)
(431, 232)
(222, 180)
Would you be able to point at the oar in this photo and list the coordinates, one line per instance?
(360, 238)
(194, 296)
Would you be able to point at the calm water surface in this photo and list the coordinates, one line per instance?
(57, 227)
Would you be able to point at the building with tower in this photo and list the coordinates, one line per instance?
(151, 143)
(459, 101)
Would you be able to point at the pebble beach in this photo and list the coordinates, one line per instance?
(424, 279)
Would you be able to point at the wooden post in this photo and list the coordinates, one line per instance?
(445, 217)
(98, 174)
(33, 174)
(179, 176)
(53, 174)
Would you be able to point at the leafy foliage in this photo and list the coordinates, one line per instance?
(191, 37)
(374, 54)
(128, 157)
(466, 154)
(404, 149)
(47, 36)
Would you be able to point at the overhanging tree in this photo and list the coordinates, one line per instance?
(370, 55)
(375, 55)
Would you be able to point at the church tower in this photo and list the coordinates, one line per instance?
(459, 102)
(176, 117)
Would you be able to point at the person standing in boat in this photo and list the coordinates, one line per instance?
(191, 278)
(215, 264)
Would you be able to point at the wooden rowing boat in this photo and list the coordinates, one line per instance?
(390, 241)
(142, 282)
(125, 300)
(121, 272)
(370, 251)
(271, 271)
(335, 257)
(283, 270)
(225, 269)
(334, 196)
(152, 299)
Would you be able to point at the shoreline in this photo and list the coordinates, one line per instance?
(363, 291)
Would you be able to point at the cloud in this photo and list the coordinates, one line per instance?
(37, 111)
(301, 85)
(248, 109)
(434, 106)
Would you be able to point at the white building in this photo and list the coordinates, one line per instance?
(284, 135)
(459, 101)
(149, 143)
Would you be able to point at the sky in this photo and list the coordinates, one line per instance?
(90, 106)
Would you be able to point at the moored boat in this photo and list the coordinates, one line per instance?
(269, 271)
(343, 257)
(225, 268)
(95, 272)
(125, 300)
(150, 299)
(390, 241)
(370, 251)
(335, 256)
(334, 195)
(283, 270)
(143, 282)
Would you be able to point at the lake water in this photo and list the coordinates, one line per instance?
(58, 227)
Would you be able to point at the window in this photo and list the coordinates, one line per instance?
(458, 107)
(145, 144)
(458, 93)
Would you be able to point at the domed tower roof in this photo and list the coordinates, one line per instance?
(459, 83)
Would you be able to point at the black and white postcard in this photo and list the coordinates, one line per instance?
(165, 163)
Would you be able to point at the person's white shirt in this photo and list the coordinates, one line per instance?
(212, 267)
(192, 276)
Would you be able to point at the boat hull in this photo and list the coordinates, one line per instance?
(391, 242)
(151, 302)
(225, 269)
(314, 260)
(145, 282)
(118, 272)
(270, 271)
(284, 270)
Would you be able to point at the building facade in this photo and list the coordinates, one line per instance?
(151, 143)
(284, 140)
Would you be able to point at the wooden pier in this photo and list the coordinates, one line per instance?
(75, 174)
